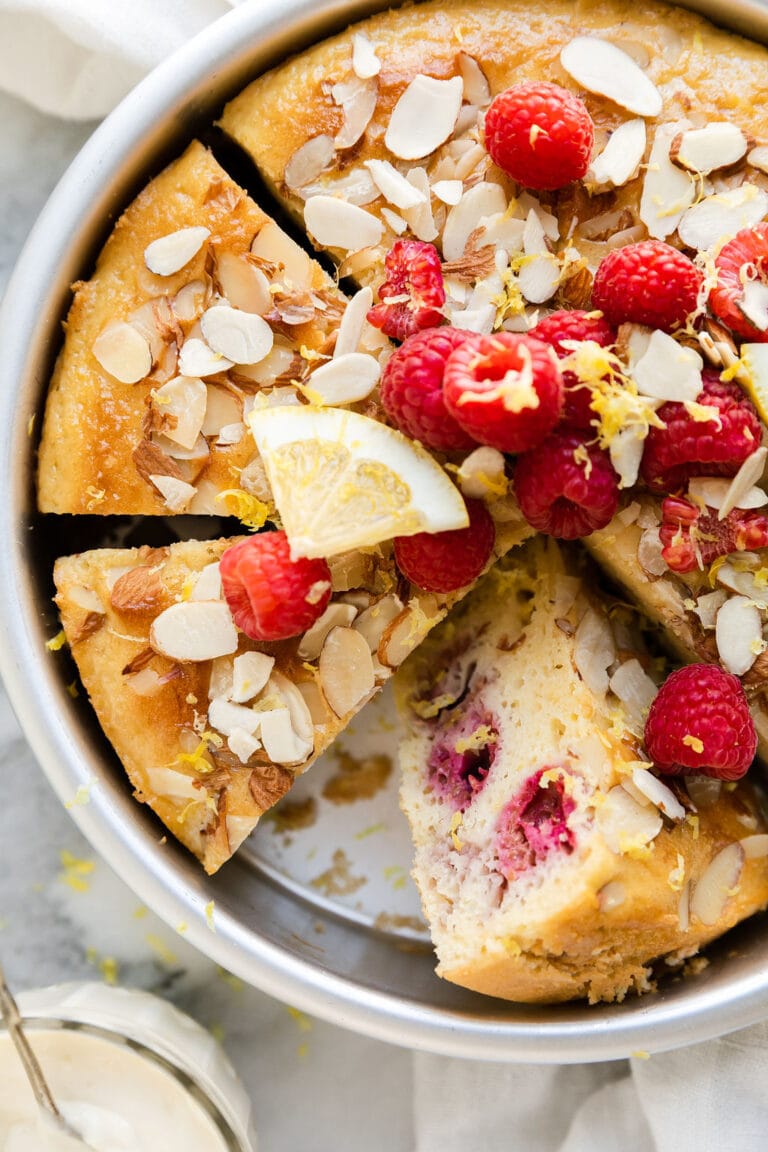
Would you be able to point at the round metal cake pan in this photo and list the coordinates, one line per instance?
(270, 937)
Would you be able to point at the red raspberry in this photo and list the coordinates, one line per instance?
(413, 270)
(505, 390)
(576, 325)
(445, 561)
(271, 596)
(693, 538)
(562, 495)
(646, 283)
(749, 248)
(539, 134)
(686, 447)
(412, 389)
(702, 707)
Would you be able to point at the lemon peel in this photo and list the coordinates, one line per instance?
(248, 509)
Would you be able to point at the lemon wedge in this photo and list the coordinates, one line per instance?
(754, 376)
(342, 481)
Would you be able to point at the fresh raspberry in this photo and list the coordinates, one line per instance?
(412, 389)
(685, 447)
(505, 390)
(748, 250)
(646, 283)
(458, 776)
(413, 269)
(445, 561)
(533, 824)
(271, 596)
(693, 538)
(565, 488)
(540, 134)
(576, 325)
(700, 722)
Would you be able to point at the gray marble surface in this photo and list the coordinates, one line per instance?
(64, 915)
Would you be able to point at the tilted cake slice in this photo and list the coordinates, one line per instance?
(552, 862)
(210, 725)
(200, 309)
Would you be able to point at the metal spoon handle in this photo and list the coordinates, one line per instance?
(9, 1010)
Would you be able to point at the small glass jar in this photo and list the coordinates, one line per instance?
(129, 1060)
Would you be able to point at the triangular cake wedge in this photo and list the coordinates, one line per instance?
(182, 716)
(142, 417)
(329, 123)
(688, 605)
(546, 868)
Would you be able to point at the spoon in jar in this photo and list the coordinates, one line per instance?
(9, 1010)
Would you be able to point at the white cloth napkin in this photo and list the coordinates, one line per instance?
(76, 59)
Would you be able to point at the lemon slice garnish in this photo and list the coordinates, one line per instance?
(754, 376)
(342, 481)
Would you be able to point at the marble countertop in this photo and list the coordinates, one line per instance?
(64, 915)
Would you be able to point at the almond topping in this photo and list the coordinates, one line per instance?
(208, 584)
(358, 102)
(242, 337)
(170, 253)
(658, 793)
(407, 631)
(180, 406)
(620, 159)
(758, 157)
(335, 224)
(625, 824)
(177, 494)
(668, 370)
(152, 461)
(197, 359)
(365, 62)
(485, 199)
(335, 616)
(703, 150)
(373, 622)
(393, 185)
(194, 631)
(273, 245)
(243, 283)
(308, 161)
(739, 634)
(346, 670)
(477, 90)
(667, 189)
(281, 743)
(137, 590)
(603, 68)
(123, 352)
(755, 847)
(346, 379)
(716, 886)
(353, 323)
(717, 218)
(424, 116)
(268, 783)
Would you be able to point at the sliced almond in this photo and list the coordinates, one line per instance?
(742, 491)
(625, 824)
(739, 580)
(294, 701)
(755, 847)
(668, 370)
(335, 616)
(346, 670)
(420, 218)
(594, 650)
(477, 90)
(123, 352)
(145, 682)
(358, 102)
(353, 323)
(335, 224)
(424, 116)
(684, 907)
(718, 883)
(634, 687)
(393, 185)
(346, 379)
(222, 408)
(281, 743)
(649, 555)
(177, 494)
(758, 157)
(601, 67)
(308, 161)
(197, 359)
(485, 199)
(250, 673)
(667, 190)
(658, 793)
(170, 253)
(395, 221)
(194, 631)
(208, 583)
(539, 278)
(243, 284)
(754, 304)
(227, 717)
(189, 301)
(708, 605)
(620, 159)
(482, 475)
(272, 244)
(448, 191)
(365, 62)
(716, 145)
(373, 622)
(181, 404)
(407, 631)
(243, 745)
(739, 634)
(242, 337)
(626, 452)
(611, 895)
(169, 782)
(717, 218)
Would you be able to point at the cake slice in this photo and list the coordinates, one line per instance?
(200, 309)
(552, 862)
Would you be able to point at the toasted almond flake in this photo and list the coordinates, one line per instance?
(365, 62)
(485, 199)
(667, 190)
(227, 717)
(176, 493)
(393, 185)
(658, 793)
(335, 616)
(243, 745)
(626, 452)
(395, 222)
(649, 554)
(739, 634)
(294, 701)
(716, 886)
(611, 895)
(482, 475)
(539, 278)
(373, 621)
(668, 370)
(346, 670)
(194, 631)
(620, 159)
(145, 682)
(755, 847)
(594, 650)
(281, 742)
(634, 687)
(123, 352)
(714, 492)
(742, 491)
(346, 379)
(208, 583)
(717, 218)
(448, 191)
(739, 580)
(358, 101)
(420, 218)
(189, 301)
(424, 116)
(243, 284)
(86, 598)
(170, 253)
(716, 145)
(182, 401)
(309, 161)
(250, 673)
(638, 796)
(758, 157)
(335, 224)
(708, 605)
(601, 67)
(477, 90)
(754, 304)
(222, 408)
(242, 337)
(353, 323)
(169, 782)
(625, 824)
(197, 359)
(272, 244)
